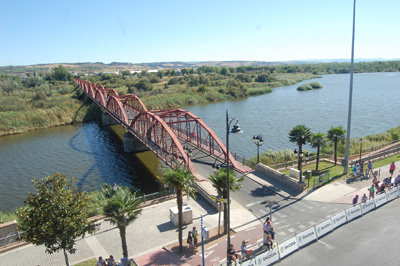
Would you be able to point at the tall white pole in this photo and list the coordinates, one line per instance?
(346, 158)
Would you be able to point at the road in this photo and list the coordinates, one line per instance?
(290, 215)
(372, 239)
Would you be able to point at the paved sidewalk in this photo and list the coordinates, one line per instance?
(153, 230)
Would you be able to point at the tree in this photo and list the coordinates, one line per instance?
(144, 84)
(182, 180)
(335, 135)
(121, 210)
(61, 73)
(317, 141)
(219, 182)
(300, 134)
(55, 215)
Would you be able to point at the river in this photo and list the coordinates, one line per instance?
(94, 155)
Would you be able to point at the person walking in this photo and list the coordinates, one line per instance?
(370, 168)
(392, 168)
(372, 191)
(194, 235)
(355, 200)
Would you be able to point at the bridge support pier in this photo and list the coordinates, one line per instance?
(107, 120)
(132, 144)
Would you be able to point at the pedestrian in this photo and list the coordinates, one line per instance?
(232, 253)
(194, 235)
(372, 191)
(355, 169)
(370, 168)
(364, 198)
(397, 180)
(100, 262)
(268, 229)
(190, 241)
(245, 251)
(355, 200)
(111, 261)
(392, 168)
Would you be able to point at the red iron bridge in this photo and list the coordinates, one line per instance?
(167, 133)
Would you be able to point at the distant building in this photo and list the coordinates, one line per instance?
(111, 72)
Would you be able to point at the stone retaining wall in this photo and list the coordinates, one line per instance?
(280, 177)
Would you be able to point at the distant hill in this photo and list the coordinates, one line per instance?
(88, 67)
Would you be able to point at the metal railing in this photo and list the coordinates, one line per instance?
(322, 179)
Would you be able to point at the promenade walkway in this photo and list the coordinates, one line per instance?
(152, 232)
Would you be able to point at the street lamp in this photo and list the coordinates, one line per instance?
(361, 140)
(300, 156)
(346, 157)
(258, 140)
(235, 129)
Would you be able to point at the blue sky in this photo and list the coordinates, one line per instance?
(56, 31)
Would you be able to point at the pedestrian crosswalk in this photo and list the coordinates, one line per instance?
(293, 216)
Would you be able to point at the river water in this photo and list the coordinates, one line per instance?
(94, 155)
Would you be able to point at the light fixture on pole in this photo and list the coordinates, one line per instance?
(235, 129)
(300, 156)
(361, 141)
(258, 140)
(346, 157)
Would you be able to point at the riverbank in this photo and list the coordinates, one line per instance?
(49, 104)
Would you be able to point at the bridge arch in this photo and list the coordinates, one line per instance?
(100, 97)
(115, 106)
(163, 140)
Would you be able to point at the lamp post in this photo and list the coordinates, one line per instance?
(235, 129)
(346, 157)
(258, 140)
(300, 156)
(361, 140)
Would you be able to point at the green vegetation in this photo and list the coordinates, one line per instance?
(219, 181)
(121, 210)
(309, 86)
(55, 215)
(272, 158)
(44, 95)
(182, 180)
(90, 262)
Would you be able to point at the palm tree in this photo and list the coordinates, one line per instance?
(318, 141)
(300, 134)
(219, 182)
(182, 180)
(336, 134)
(121, 209)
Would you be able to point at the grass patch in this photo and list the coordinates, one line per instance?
(90, 262)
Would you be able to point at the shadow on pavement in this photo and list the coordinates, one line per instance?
(276, 185)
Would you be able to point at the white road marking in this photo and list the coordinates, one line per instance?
(249, 229)
(325, 244)
(281, 233)
(263, 211)
(206, 254)
(281, 215)
(301, 226)
(312, 222)
(213, 246)
(291, 230)
(253, 203)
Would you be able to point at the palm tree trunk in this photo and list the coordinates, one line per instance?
(122, 233)
(180, 217)
(316, 168)
(66, 257)
(335, 146)
(298, 157)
